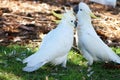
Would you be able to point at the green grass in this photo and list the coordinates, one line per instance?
(11, 67)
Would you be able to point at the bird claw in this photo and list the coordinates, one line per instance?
(89, 74)
(89, 69)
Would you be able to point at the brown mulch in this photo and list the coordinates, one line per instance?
(23, 22)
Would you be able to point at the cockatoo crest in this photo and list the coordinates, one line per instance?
(69, 13)
(85, 8)
(69, 17)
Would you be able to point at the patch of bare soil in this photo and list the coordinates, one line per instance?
(25, 22)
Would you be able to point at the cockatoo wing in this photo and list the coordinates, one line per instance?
(97, 48)
(50, 48)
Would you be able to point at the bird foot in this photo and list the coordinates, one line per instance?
(89, 69)
(90, 73)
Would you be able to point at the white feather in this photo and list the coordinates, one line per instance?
(92, 47)
(55, 45)
(106, 2)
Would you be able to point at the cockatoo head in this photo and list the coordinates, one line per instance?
(69, 17)
(83, 10)
(83, 14)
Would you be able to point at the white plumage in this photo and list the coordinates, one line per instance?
(55, 45)
(106, 2)
(90, 44)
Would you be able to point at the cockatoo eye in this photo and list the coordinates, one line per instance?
(71, 20)
(80, 9)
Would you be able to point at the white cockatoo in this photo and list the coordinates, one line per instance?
(90, 44)
(55, 45)
(106, 2)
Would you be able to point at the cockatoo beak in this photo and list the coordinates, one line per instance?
(75, 9)
(75, 24)
(93, 16)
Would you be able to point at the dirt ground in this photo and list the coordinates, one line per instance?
(25, 22)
